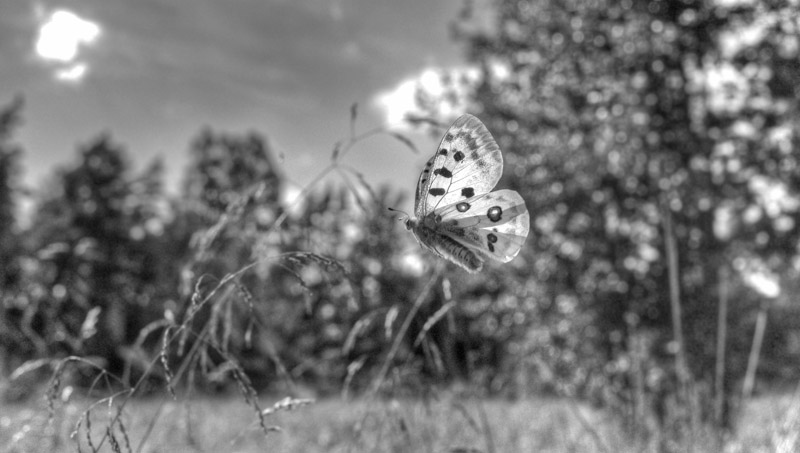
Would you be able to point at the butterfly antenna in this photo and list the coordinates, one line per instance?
(401, 212)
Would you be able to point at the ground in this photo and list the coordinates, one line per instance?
(443, 424)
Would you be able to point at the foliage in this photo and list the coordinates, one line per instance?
(9, 186)
(94, 272)
(10, 250)
(618, 118)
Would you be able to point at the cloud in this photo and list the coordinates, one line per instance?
(434, 91)
(73, 73)
(62, 35)
(60, 41)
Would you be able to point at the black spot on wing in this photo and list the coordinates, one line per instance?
(495, 213)
(463, 206)
(491, 238)
(458, 156)
(443, 172)
(491, 247)
(448, 137)
(438, 192)
(467, 192)
(443, 152)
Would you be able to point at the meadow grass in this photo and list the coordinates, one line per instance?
(445, 424)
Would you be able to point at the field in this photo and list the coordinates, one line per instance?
(445, 424)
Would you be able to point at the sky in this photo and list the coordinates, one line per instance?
(152, 73)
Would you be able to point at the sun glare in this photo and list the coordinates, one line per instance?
(60, 40)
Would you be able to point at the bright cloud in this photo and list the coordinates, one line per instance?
(60, 40)
(398, 102)
(72, 73)
(442, 92)
(62, 35)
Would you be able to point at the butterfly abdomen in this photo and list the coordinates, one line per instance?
(448, 248)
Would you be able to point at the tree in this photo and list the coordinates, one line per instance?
(9, 191)
(98, 265)
(619, 136)
(11, 337)
(233, 182)
(225, 225)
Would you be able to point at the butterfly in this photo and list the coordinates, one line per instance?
(455, 215)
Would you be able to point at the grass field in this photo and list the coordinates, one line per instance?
(448, 424)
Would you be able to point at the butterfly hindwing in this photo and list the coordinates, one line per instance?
(494, 224)
(467, 162)
(502, 242)
(485, 210)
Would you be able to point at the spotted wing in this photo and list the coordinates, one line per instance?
(467, 163)
(485, 210)
(494, 224)
(503, 242)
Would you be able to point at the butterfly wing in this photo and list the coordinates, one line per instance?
(485, 210)
(503, 242)
(495, 224)
(467, 163)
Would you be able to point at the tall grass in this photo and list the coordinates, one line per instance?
(186, 339)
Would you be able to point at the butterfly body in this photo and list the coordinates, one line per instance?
(439, 238)
(457, 217)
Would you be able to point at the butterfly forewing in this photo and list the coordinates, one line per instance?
(468, 162)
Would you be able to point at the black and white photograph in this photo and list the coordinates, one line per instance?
(346, 226)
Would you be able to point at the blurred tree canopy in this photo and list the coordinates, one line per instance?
(94, 275)
(10, 250)
(624, 123)
(10, 154)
